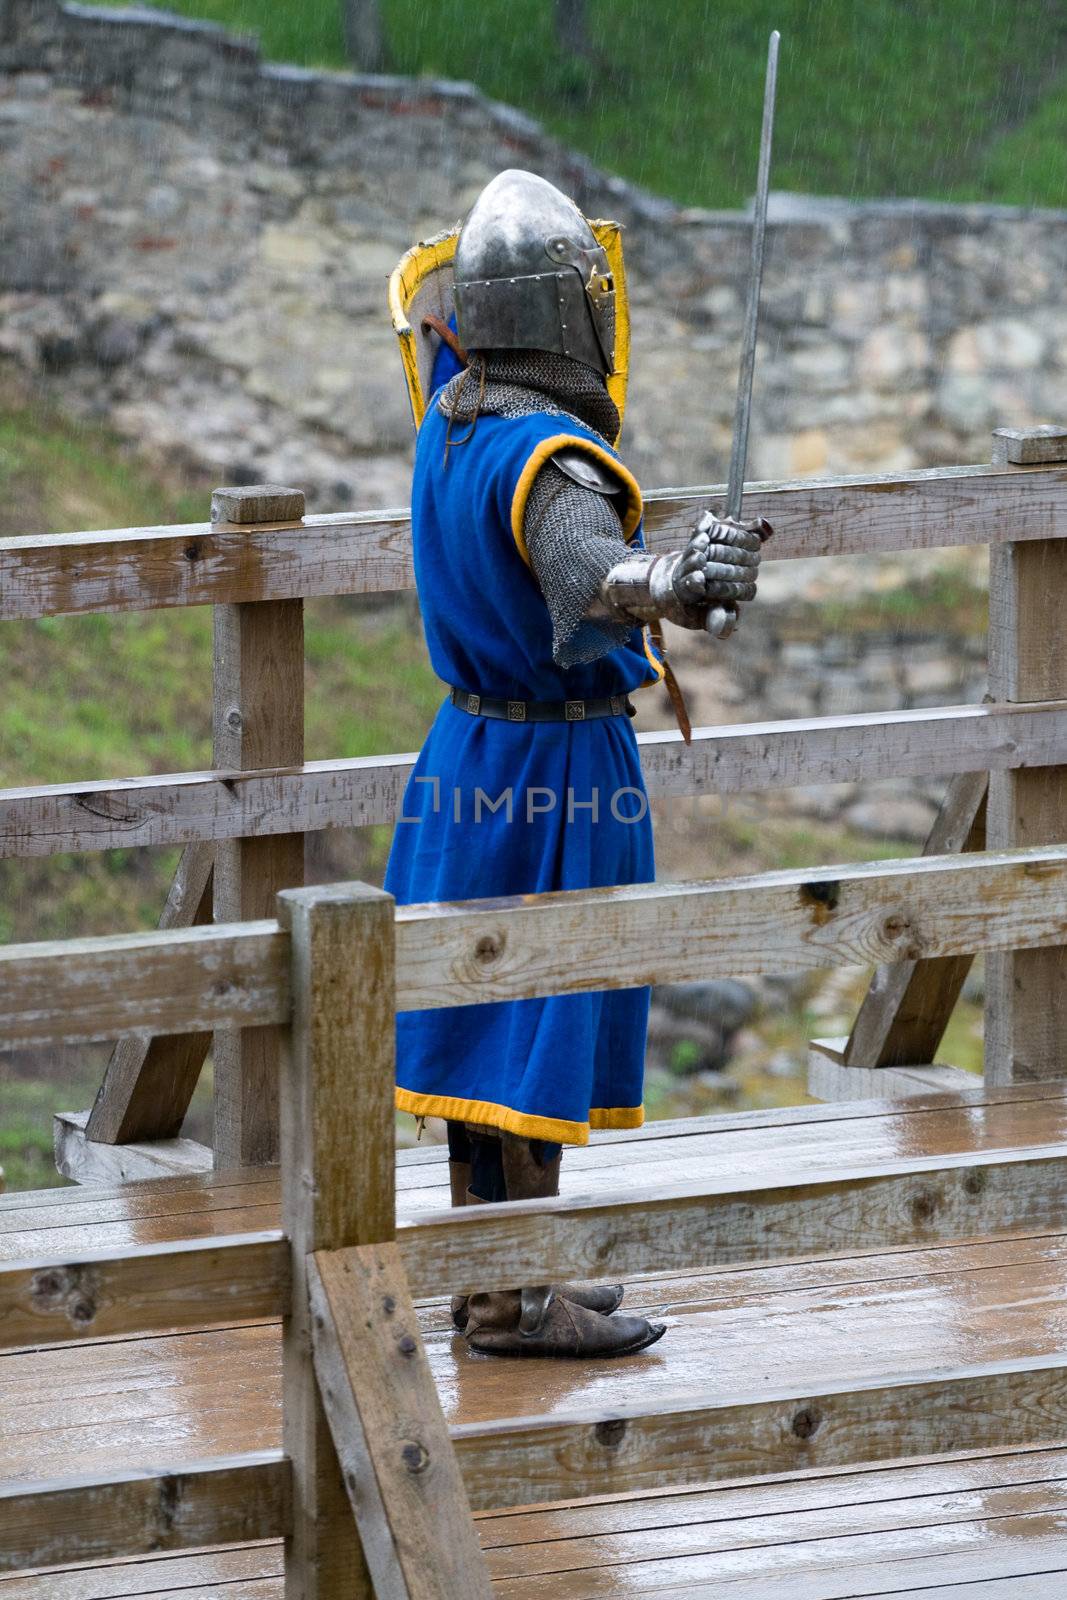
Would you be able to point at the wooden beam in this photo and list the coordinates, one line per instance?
(738, 758)
(403, 1479)
(585, 1452)
(892, 1205)
(75, 990)
(830, 1080)
(1026, 990)
(903, 1016)
(577, 941)
(338, 1183)
(155, 1288)
(103, 1518)
(564, 943)
(259, 722)
(149, 1083)
(84, 1160)
(138, 569)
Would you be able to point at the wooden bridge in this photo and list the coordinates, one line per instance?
(237, 1378)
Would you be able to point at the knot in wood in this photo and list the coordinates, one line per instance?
(490, 947)
(806, 1423)
(821, 898)
(81, 1309)
(925, 1204)
(976, 1181)
(611, 1433)
(70, 1290)
(234, 719)
(896, 924)
(192, 552)
(415, 1456)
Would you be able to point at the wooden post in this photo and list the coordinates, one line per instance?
(338, 1184)
(259, 722)
(1026, 990)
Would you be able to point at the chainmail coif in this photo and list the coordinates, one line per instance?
(573, 535)
(512, 376)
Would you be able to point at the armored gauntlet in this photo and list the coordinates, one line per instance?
(699, 586)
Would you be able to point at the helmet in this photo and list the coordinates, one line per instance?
(529, 274)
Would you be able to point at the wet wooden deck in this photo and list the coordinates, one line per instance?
(982, 1529)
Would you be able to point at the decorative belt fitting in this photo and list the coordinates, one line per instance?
(481, 705)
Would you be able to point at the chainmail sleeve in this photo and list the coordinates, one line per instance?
(573, 538)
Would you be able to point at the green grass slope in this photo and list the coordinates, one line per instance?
(100, 696)
(961, 99)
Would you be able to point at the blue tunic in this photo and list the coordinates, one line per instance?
(499, 808)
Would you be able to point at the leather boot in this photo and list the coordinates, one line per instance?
(544, 1321)
(526, 1180)
(538, 1322)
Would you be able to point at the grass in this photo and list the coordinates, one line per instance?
(88, 697)
(963, 99)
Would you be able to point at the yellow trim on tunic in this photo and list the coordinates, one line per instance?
(572, 441)
(553, 1129)
(654, 662)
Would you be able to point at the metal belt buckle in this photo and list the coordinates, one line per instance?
(474, 704)
(575, 710)
(516, 710)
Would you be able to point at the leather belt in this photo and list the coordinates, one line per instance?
(484, 705)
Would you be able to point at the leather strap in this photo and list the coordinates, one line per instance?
(674, 688)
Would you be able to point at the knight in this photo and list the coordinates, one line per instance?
(537, 599)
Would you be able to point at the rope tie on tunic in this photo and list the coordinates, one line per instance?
(457, 398)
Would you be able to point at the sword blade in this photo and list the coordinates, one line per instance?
(739, 449)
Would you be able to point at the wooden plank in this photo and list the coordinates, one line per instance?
(148, 1084)
(903, 1016)
(143, 983)
(637, 1231)
(137, 569)
(578, 941)
(158, 1401)
(635, 1447)
(1026, 990)
(258, 722)
(241, 1572)
(86, 1161)
(755, 1542)
(977, 1557)
(402, 1476)
(860, 1499)
(338, 1183)
(564, 943)
(736, 758)
(223, 1501)
(830, 1079)
(180, 1284)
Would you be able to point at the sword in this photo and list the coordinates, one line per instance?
(735, 486)
(722, 619)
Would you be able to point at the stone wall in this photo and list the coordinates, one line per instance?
(194, 247)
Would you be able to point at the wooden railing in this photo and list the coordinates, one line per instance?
(359, 1405)
(243, 821)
